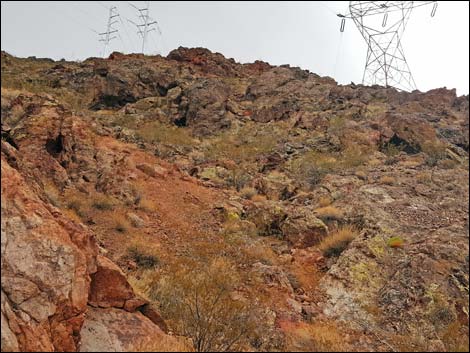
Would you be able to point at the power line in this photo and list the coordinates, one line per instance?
(76, 21)
(146, 23)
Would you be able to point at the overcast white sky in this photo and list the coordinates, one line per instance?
(304, 34)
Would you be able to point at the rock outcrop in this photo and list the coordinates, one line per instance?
(333, 210)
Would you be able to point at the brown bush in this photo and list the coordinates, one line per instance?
(119, 222)
(335, 243)
(103, 202)
(201, 304)
(328, 213)
(387, 180)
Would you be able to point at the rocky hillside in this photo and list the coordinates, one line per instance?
(195, 203)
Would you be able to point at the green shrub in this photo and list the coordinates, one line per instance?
(395, 242)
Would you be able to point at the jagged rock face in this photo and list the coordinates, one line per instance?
(52, 274)
(112, 330)
(46, 265)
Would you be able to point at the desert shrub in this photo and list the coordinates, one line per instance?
(248, 192)
(387, 180)
(315, 337)
(435, 151)
(361, 174)
(238, 178)
(314, 175)
(324, 201)
(147, 205)
(119, 222)
(102, 202)
(141, 257)
(337, 125)
(395, 242)
(245, 144)
(328, 213)
(158, 132)
(354, 156)
(311, 167)
(201, 305)
(424, 177)
(335, 243)
(77, 203)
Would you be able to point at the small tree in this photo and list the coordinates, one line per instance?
(201, 305)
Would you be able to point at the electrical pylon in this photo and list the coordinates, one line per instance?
(146, 25)
(109, 29)
(381, 24)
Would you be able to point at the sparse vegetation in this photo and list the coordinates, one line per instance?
(324, 201)
(119, 222)
(335, 243)
(328, 213)
(435, 151)
(396, 242)
(147, 205)
(200, 302)
(76, 202)
(387, 180)
(248, 192)
(311, 167)
(237, 260)
(158, 132)
(142, 258)
(246, 144)
(103, 202)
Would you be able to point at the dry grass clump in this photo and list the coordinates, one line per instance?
(246, 143)
(316, 337)
(328, 213)
(119, 222)
(361, 174)
(325, 200)
(335, 243)
(396, 242)
(387, 180)
(147, 205)
(424, 177)
(158, 132)
(258, 198)
(311, 167)
(71, 214)
(103, 202)
(142, 257)
(77, 202)
(248, 192)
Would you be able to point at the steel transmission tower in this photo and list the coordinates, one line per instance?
(146, 25)
(109, 28)
(382, 24)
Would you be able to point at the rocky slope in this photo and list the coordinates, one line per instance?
(338, 212)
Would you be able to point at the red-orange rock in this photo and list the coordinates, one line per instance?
(109, 286)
